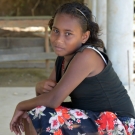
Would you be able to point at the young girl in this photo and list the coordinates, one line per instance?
(99, 103)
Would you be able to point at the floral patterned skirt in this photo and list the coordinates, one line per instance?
(66, 121)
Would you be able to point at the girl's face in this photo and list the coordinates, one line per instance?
(66, 35)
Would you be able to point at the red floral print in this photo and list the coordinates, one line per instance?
(106, 119)
(107, 122)
(58, 132)
(63, 114)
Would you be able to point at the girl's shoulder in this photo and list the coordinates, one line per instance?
(97, 49)
(92, 50)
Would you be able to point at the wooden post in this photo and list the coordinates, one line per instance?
(47, 49)
(85, 1)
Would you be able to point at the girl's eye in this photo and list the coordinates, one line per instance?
(67, 34)
(55, 31)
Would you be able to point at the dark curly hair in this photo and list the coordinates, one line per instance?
(84, 14)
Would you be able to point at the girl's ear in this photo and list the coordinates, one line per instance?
(85, 36)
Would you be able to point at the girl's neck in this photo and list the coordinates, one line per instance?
(68, 57)
(66, 62)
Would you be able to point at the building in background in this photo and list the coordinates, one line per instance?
(115, 18)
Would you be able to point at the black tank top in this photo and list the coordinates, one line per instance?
(102, 92)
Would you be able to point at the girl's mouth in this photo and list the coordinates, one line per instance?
(58, 48)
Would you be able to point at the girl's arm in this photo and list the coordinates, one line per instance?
(81, 66)
(46, 85)
(53, 75)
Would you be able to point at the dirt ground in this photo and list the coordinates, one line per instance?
(22, 77)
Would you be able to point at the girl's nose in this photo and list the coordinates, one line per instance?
(60, 38)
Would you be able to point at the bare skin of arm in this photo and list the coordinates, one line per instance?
(46, 85)
(71, 79)
(88, 62)
(41, 87)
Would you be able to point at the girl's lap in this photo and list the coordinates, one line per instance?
(66, 121)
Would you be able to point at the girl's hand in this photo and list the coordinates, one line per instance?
(45, 86)
(16, 124)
